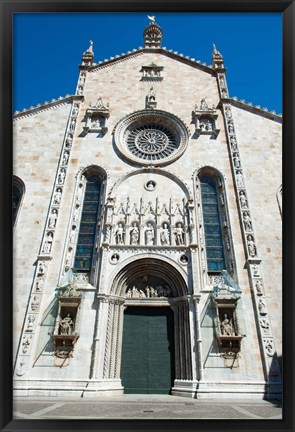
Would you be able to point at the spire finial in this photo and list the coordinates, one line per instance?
(152, 18)
(90, 49)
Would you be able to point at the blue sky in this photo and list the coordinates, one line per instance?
(48, 48)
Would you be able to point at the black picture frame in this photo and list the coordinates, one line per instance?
(7, 8)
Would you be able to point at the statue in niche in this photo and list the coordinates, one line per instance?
(264, 323)
(69, 140)
(48, 243)
(39, 283)
(82, 79)
(35, 303)
(233, 143)
(72, 124)
(61, 176)
(258, 287)
(119, 234)
(52, 219)
(149, 234)
(150, 185)
(42, 268)
(203, 105)
(243, 200)
(251, 246)
(236, 160)
(179, 234)
(151, 95)
(80, 90)
(255, 270)
(31, 320)
(165, 235)
(247, 221)
(222, 82)
(262, 307)
(65, 158)
(269, 348)
(134, 234)
(226, 326)
(67, 325)
(96, 124)
(57, 197)
(75, 110)
(240, 180)
(231, 128)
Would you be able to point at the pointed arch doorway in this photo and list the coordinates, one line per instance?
(148, 331)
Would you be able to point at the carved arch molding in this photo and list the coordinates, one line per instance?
(149, 275)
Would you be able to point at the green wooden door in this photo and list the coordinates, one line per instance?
(148, 350)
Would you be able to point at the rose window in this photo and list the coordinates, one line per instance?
(151, 142)
(151, 137)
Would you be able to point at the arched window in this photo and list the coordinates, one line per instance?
(89, 216)
(212, 224)
(18, 190)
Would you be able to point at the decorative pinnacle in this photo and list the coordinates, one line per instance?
(90, 49)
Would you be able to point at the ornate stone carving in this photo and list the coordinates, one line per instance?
(27, 339)
(265, 326)
(259, 287)
(151, 136)
(179, 234)
(150, 100)
(226, 326)
(240, 179)
(262, 307)
(52, 219)
(149, 292)
(149, 234)
(151, 72)
(269, 347)
(255, 270)
(205, 119)
(120, 234)
(65, 158)
(57, 196)
(69, 141)
(134, 234)
(30, 323)
(21, 367)
(35, 303)
(48, 243)
(165, 235)
(39, 283)
(243, 200)
(251, 246)
(61, 176)
(247, 221)
(96, 117)
(72, 124)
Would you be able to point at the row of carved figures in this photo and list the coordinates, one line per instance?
(149, 234)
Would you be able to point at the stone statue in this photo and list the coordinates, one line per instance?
(258, 287)
(48, 243)
(149, 234)
(61, 176)
(236, 160)
(65, 158)
(240, 180)
(52, 219)
(39, 283)
(31, 320)
(57, 197)
(203, 105)
(243, 200)
(75, 109)
(72, 124)
(233, 143)
(42, 268)
(255, 270)
(247, 221)
(264, 323)
(69, 257)
(69, 140)
(251, 246)
(66, 325)
(165, 235)
(262, 307)
(226, 326)
(76, 214)
(134, 234)
(79, 193)
(119, 234)
(179, 232)
(35, 303)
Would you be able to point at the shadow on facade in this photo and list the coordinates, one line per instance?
(273, 389)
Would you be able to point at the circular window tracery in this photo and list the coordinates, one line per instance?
(151, 138)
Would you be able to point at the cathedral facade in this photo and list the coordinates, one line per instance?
(147, 234)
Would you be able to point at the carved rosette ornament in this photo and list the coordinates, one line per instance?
(151, 137)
